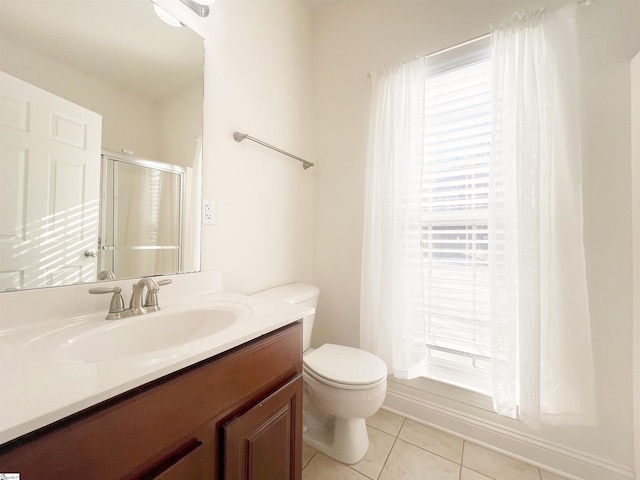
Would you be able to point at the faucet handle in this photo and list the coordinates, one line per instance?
(116, 307)
(151, 301)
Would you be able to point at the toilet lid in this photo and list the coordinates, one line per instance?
(345, 365)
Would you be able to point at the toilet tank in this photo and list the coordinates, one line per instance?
(298, 294)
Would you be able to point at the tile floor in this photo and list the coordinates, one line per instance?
(401, 449)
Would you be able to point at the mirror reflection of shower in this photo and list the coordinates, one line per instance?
(143, 224)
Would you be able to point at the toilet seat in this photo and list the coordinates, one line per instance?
(345, 367)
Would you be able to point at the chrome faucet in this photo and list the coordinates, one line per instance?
(138, 304)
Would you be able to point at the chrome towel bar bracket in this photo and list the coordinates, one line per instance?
(238, 137)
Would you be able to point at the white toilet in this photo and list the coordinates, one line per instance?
(342, 386)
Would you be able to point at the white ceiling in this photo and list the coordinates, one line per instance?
(153, 59)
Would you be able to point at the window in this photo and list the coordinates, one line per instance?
(455, 217)
(473, 260)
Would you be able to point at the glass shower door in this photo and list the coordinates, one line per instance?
(141, 217)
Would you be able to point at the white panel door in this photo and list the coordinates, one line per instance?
(49, 187)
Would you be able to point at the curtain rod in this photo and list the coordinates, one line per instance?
(238, 137)
(450, 47)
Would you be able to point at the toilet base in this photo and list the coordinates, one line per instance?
(343, 439)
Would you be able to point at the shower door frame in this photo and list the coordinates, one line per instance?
(107, 157)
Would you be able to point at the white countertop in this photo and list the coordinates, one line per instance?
(42, 385)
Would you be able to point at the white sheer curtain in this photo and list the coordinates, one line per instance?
(542, 356)
(541, 341)
(392, 311)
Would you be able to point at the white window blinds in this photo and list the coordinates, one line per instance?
(455, 216)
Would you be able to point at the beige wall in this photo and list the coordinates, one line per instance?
(609, 37)
(353, 38)
(257, 73)
(635, 183)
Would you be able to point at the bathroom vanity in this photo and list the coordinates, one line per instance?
(234, 416)
(208, 387)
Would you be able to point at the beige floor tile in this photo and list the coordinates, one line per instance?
(419, 452)
(386, 421)
(467, 474)
(550, 476)
(495, 465)
(435, 441)
(322, 467)
(380, 444)
(307, 453)
(408, 462)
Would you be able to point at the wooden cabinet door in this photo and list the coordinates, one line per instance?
(265, 443)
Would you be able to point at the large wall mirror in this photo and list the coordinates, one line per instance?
(100, 142)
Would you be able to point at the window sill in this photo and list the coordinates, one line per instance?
(462, 378)
(447, 391)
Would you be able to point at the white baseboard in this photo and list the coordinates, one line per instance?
(567, 462)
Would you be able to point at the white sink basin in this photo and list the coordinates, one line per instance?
(148, 333)
(138, 335)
